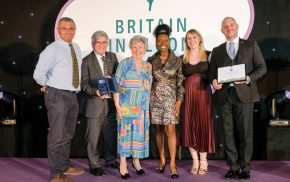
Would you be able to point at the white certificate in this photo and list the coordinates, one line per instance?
(233, 73)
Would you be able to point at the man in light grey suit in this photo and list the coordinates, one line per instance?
(99, 110)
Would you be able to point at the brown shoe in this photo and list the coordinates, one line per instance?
(61, 178)
(74, 171)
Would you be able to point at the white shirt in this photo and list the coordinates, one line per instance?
(101, 63)
(55, 66)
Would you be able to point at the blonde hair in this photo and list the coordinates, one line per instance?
(200, 46)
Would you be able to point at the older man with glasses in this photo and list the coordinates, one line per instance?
(99, 109)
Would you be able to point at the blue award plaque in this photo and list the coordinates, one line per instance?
(105, 85)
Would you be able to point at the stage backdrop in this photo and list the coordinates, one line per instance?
(124, 19)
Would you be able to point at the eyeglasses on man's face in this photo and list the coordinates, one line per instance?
(102, 43)
(67, 29)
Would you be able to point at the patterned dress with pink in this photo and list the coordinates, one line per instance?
(134, 90)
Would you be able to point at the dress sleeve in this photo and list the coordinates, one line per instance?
(121, 72)
(180, 79)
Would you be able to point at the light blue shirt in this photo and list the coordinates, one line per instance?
(55, 66)
(236, 44)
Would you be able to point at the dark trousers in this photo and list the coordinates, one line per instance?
(106, 124)
(62, 111)
(110, 136)
(237, 118)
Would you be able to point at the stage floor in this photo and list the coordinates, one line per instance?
(36, 170)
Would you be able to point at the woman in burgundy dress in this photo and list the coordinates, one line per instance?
(197, 122)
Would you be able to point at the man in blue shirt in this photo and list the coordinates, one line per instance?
(58, 72)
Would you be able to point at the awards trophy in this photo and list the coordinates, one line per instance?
(106, 86)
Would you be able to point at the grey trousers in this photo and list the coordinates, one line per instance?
(107, 125)
(62, 111)
(237, 120)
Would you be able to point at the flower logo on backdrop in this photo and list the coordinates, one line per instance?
(124, 19)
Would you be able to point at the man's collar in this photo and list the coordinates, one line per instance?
(99, 56)
(62, 42)
(236, 40)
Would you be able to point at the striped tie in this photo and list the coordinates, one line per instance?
(105, 65)
(75, 67)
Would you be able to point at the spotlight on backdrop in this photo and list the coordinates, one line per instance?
(278, 102)
(7, 108)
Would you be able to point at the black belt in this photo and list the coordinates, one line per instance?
(70, 91)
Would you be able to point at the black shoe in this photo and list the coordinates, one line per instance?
(232, 174)
(161, 169)
(114, 165)
(140, 171)
(245, 175)
(125, 176)
(98, 171)
(174, 175)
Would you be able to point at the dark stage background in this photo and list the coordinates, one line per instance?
(27, 27)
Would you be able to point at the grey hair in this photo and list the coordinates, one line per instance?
(138, 38)
(97, 35)
(66, 19)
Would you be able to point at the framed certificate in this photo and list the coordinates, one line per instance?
(233, 73)
(105, 85)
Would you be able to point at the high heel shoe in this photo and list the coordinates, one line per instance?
(174, 174)
(140, 171)
(161, 169)
(195, 166)
(203, 167)
(125, 176)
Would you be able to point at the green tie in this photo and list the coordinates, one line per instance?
(75, 67)
(105, 65)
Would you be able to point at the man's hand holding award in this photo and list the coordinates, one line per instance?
(106, 86)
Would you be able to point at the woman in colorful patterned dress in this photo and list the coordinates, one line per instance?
(134, 78)
(166, 96)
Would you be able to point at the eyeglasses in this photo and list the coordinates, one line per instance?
(67, 29)
(98, 42)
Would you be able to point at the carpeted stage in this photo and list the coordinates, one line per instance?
(36, 170)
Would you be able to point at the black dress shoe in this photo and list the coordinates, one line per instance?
(161, 169)
(97, 171)
(114, 165)
(125, 176)
(232, 174)
(140, 171)
(245, 175)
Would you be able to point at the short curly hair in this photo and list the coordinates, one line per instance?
(138, 38)
(162, 29)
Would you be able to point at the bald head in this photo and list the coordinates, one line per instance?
(230, 28)
(228, 18)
